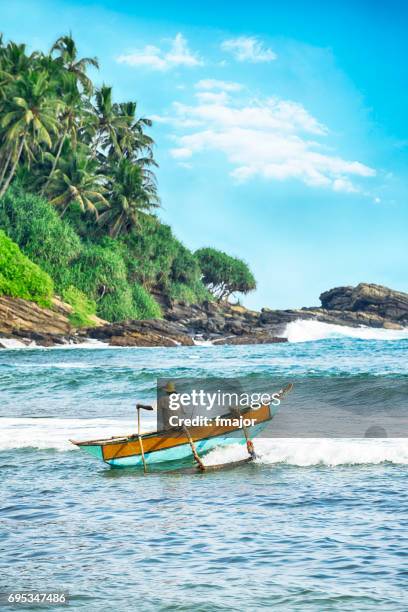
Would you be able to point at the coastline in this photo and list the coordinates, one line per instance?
(364, 306)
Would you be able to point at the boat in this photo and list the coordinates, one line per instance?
(182, 447)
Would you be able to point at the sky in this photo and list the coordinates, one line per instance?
(281, 127)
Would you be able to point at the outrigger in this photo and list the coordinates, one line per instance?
(182, 448)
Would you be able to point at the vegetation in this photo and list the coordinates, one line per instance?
(19, 277)
(84, 309)
(223, 274)
(78, 196)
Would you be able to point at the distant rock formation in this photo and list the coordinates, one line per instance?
(371, 299)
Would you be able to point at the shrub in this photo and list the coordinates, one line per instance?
(84, 308)
(192, 294)
(145, 304)
(100, 273)
(149, 254)
(20, 277)
(35, 226)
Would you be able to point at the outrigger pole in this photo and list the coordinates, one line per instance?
(201, 465)
(139, 436)
(249, 443)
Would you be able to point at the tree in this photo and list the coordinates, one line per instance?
(132, 196)
(131, 139)
(29, 121)
(77, 180)
(106, 121)
(224, 275)
(70, 118)
(67, 55)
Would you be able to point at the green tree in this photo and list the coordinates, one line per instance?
(71, 117)
(131, 197)
(67, 53)
(223, 274)
(30, 119)
(77, 180)
(106, 122)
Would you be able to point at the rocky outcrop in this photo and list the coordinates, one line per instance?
(370, 299)
(364, 305)
(28, 322)
(151, 332)
(224, 323)
(183, 324)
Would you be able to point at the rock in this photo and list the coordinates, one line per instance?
(382, 302)
(338, 298)
(151, 332)
(17, 315)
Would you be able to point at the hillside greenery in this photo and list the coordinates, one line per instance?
(19, 277)
(78, 195)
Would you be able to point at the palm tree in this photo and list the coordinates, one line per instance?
(107, 122)
(132, 195)
(68, 55)
(77, 180)
(30, 120)
(130, 135)
(71, 118)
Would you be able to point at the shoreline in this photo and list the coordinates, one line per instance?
(367, 307)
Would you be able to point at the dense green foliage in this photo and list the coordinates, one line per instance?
(83, 308)
(19, 277)
(146, 305)
(78, 195)
(224, 274)
(30, 221)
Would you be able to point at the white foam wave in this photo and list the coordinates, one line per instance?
(303, 330)
(10, 343)
(50, 433)
(90, 343)
(199, 341)
(322, 451)
(55, 433)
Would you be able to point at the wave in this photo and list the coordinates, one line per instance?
(55, 433)
(303, 330)
(90, 343)
(318, 452)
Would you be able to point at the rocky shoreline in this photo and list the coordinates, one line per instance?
(366, 305)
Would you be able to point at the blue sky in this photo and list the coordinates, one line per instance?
(281, 127)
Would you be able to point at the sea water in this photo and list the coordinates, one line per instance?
(311, 525)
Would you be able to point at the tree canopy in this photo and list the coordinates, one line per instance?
(223, 274)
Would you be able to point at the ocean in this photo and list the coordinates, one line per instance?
(313, 524)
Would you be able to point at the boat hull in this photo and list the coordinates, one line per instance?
(183, 451)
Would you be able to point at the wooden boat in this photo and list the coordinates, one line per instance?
(181, 447)
(173, 447)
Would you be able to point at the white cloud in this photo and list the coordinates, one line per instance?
(265, 138)
(155, 58)
(248, 49)
(209, 84)
(212, 97)
(270, 114)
